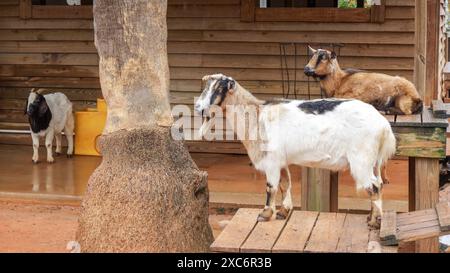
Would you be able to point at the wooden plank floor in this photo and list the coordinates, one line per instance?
(303, 231)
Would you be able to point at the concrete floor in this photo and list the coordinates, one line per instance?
(231, 179)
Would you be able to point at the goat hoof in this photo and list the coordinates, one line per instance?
(374, 222)
(282, 214)
(374, 225)
(50, 161)
(69, 155)
(262, 219)
(35, 161)
(57, 154)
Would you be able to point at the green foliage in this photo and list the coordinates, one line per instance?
(347, 4)
(350, 4)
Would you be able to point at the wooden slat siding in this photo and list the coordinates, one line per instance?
(47, 47)
(296, 233)
(9, 11)
(330, 226)
(237, 230)
(263, 237)
(67, 12)
(312, 15)
(9, 2)
(210, 61)
(355, 235)
(212, 31)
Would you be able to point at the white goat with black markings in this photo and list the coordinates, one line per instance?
(49, 115)
(333, 134)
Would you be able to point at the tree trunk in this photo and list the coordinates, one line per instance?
(147, 195)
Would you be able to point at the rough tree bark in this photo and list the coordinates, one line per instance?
(147, 195)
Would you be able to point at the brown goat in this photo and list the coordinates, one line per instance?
(392, 94)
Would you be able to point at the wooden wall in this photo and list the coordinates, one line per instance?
(204, 37)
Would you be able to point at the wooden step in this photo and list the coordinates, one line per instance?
(416, 225)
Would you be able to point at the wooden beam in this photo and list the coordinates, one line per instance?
(426, 195)
(319, 190)
(25, 9)
(388, 230)
(378, 12)
(248, 10)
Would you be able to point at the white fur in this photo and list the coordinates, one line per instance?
(62, 120)
(353, 135)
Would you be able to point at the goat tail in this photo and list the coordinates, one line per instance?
(387, 145)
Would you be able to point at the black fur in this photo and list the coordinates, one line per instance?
(275, 101)
(221, 88)
(269, 194)
(382, 105)
(351, 71)
(318, 107)
(417, 107)
(39, 114)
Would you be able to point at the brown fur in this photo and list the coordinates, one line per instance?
(392, 94)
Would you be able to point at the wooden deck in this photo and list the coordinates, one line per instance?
(303, 231)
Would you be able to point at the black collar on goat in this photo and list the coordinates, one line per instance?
(39, 114)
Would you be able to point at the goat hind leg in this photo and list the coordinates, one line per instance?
(374, 218)
(286, 195)
(68, 131)
(49, 145)
(58, 144)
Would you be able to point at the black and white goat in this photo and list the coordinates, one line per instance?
(49, 115)
(333, 134)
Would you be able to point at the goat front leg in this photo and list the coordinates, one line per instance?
(286, 194)
(273, 179)
(48, 144)
(374, 218)
(35, 139)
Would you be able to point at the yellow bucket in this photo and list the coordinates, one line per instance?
(89, 126)
(101, 105)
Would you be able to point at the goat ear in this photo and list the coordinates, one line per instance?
(206, 78)
(333, 55)
(311, 50)
(231, 85)
(43, 107)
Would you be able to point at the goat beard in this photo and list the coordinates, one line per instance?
(207, 124)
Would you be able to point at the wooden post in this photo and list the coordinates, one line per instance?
(432, 59)
(319, 190)
(426, 183)
(420, 46)
(25, 9)
(248, 10)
